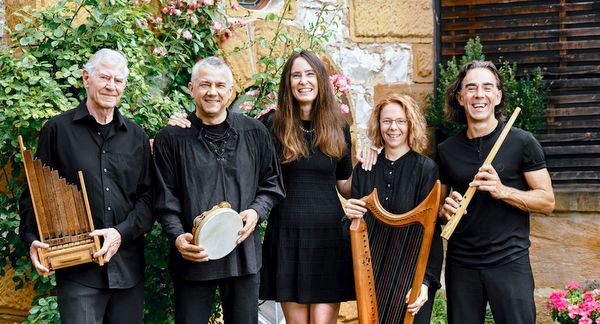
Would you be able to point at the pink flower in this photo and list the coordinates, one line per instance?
(194, 20)
(136, 4)
(228, 33)
(217, 26)
(573, 311)
(223, 38)
(253, 93)
(187, 35)
(344, 108)
(585, 320)
(231, 24)
(165, 10)
(159, 51)
(144, 22)
(242, 22)
(573, 285)
(151, 143)
(158, 20)
(177, 12)
(247, 106)
(208, 2)
(235, 6)
(270, 95)
(268, 107)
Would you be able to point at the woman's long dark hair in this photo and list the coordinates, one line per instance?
(327, 120)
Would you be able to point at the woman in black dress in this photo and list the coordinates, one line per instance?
(307, 263)
(403, 179)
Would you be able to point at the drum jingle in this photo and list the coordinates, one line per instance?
(216, 230)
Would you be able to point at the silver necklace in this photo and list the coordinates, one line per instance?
(307, 131)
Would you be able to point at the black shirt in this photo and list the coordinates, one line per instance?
(118, 172)
(492, 233)
(239, 166)
(401, 186)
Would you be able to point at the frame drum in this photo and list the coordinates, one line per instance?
(217, 230)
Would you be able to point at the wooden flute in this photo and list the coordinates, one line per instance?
(453, 222)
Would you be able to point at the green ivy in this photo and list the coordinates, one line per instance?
(527, 92)
(41, 68)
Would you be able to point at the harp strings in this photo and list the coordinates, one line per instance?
(394, 251)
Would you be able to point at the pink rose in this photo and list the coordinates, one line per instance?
(187, 35)
(253, 93)
(217, 26)
(165, 10)
(344, 108)
(247, 106)
(158, 20)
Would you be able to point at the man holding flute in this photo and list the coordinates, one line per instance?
(488, 254)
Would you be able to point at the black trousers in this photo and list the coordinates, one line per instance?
(508, 289)
(239, 297)
(80, 304)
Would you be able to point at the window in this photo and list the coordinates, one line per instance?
(253, 4)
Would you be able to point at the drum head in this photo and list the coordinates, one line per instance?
(218, 232)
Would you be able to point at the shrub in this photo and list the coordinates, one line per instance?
(527, 92)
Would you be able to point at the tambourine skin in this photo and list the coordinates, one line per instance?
(216, 231)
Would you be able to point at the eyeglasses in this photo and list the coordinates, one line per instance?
(398, 121)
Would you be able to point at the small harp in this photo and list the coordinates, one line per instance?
(381, 279)
(62, 214)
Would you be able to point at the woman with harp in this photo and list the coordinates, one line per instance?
(403, 178)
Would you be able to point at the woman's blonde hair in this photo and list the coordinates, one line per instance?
(417, 137)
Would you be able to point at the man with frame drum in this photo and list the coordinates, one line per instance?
(488, 255)
(223, 157)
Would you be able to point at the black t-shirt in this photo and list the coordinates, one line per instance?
(492, 232)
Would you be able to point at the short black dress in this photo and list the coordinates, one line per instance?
(306, 256)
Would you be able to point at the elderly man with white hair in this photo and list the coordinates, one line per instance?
(114, 155)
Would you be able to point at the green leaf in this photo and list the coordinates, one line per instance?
(25, 41)
(59, 33)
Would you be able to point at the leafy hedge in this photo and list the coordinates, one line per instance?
(527, 92)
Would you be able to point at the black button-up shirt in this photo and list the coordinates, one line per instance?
(118, 171)
(243, 171)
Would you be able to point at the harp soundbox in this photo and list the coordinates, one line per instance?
(384, 272)
(62, 214)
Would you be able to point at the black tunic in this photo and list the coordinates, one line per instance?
(306, 257)
(199, 173)
(401, 186)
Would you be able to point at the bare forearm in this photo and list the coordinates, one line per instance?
(535, 200)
